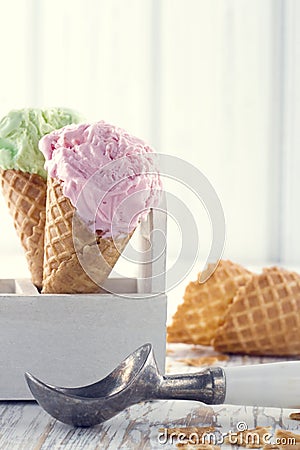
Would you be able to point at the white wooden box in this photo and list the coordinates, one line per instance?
(72, 340)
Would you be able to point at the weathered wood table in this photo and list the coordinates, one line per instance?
(25, 426)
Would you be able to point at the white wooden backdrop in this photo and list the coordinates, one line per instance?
(212, 81)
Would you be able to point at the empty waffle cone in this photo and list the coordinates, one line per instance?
(25, 195)
(198, 317)
(264, 317)
(72, 253)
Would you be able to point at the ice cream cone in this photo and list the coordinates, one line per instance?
(264, 317)
(23, 175)
(25, 195)
(63, 269)
(99, 176)
(198, 317)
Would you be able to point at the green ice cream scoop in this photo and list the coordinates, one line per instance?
(20, 132)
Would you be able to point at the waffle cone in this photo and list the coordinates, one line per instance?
(25, 195)
(198, 317)
(72, 252)
(264, 317)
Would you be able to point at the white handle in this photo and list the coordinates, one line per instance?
(276, 384)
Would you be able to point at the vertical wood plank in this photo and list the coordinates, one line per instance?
(291, 134)
(274, 211)
(16, 89)
(15, 41)
(216, 102)
(96, 59)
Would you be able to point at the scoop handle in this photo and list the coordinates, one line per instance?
(275, 384)
(207, 386)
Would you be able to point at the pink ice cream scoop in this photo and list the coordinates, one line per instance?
(110, 176)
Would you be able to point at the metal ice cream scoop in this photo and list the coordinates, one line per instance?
(137, 379)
